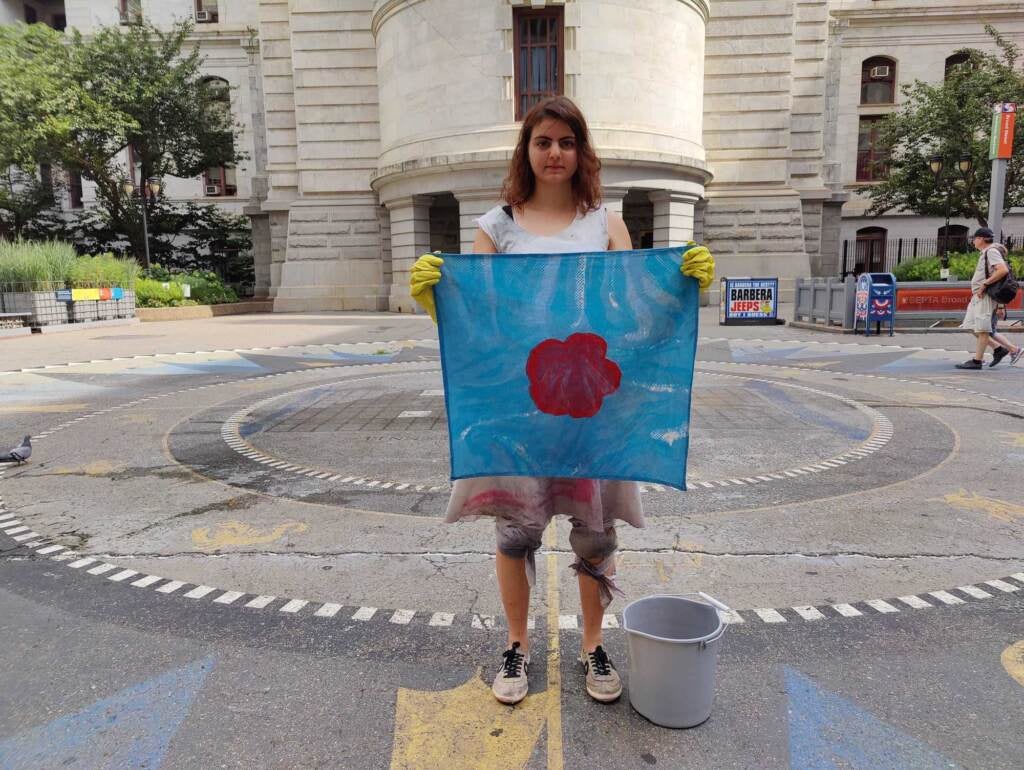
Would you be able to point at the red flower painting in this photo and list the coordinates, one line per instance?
(573, 376)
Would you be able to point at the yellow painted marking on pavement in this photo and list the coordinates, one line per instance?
(697, 559)
(554, 691)
(466, 727)
(42, 408)
(1013, 661)
(1013, 439)
(95, 468)
(663, 572)
(239, 533)
(314, 364)
(972, 501)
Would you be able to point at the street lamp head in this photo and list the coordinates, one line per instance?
(935, 163)
(965, 164)
(128, 186)
(154, 186)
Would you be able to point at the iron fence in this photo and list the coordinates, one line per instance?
(876, 255)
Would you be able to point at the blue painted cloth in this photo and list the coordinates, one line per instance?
(568, 365)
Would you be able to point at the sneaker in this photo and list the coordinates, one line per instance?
(603, 683)
(1016, 356)
(510, 685)
(998, 355)
(972, 363)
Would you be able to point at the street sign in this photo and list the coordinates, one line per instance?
(749, 301)
(1004, 117)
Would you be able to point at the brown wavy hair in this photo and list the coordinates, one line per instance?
(586, 182)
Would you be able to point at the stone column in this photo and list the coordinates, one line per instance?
(410, 237)
(472, 205)
(612, 198)
(673, 217)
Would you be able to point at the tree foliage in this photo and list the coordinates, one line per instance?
(952, 119)
(81, 102)
(23, 197)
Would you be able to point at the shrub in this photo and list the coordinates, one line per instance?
(205, 286)
(960, 266)
(153, 293)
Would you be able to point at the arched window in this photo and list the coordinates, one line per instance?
(219, 180)
(878, 80)
(870, 254)
(957, 60)
(952, 239)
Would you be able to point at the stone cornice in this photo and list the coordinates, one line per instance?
(500, 159)
(858, 17)
(385, 9)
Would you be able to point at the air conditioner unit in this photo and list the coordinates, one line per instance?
(204, 17)
(877, 73)
(212, 189)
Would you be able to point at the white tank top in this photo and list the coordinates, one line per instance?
(588, 232)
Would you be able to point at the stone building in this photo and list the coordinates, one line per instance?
(380, 129)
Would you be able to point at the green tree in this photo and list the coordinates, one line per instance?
(952, 119)
(82, 101)
(23, 197)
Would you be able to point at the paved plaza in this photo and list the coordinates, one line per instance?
(227, 551)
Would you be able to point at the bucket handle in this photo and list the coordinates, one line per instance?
(717, 605)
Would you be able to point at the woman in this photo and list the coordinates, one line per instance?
(553, 196)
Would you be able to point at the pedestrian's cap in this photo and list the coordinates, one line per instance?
(984, 232)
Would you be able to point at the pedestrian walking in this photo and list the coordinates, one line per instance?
(991, 269)
(1000, 343)
(553, 205)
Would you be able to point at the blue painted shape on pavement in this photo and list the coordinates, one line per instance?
(809, 414)
(827, 732)
(130, 729)
(224, 365)
(743, 353)
(375, 358)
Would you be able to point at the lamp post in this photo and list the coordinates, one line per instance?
(965, 164)
(153, 187)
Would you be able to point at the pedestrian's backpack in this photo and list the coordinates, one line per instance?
(1005, 290)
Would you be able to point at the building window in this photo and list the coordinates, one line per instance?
(60, 22)
(219, 181)
(956, 61)
(878, 81)
(31, 16)
(133, 164)
(952, 239)
(870, 254)
(75, 189)
(872, 156)
(206, 12)
(131, 11)
(538, 42)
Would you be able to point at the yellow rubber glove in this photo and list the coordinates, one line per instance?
(698, 263)
(426, 271)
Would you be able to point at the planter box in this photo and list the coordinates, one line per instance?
(83, 310)
(125, 307)
(43, 307)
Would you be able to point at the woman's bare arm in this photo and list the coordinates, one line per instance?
(618, 234)
(482, 243)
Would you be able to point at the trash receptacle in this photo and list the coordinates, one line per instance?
(673, 655)
(876, 301)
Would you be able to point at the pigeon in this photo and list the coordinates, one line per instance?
(20, 453)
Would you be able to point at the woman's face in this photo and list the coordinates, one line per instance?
(553, 151)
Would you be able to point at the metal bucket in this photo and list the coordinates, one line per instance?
(673, 655)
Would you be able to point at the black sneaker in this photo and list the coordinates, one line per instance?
(998, 355)
(972, 363)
